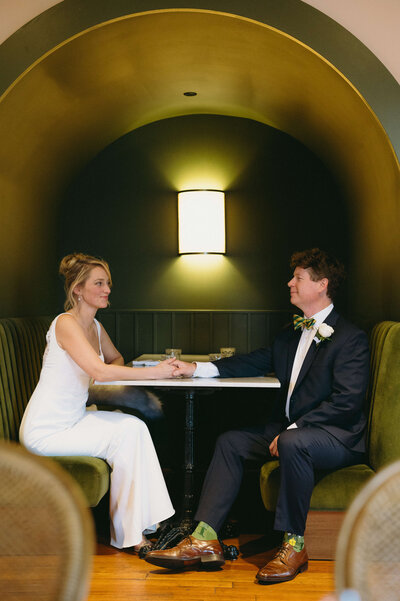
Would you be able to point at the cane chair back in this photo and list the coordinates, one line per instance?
(368, 550)
(46, 531)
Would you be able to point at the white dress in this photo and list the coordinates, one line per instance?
(56, 422)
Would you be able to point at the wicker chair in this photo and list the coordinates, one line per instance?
(368, 550)
(46, 535)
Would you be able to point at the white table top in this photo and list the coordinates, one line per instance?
(257, 382)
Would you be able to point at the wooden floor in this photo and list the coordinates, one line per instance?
(120, 576)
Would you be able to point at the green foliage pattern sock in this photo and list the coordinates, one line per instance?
(295, 540)
(204, 532)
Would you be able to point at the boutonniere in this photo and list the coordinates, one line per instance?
(324, 332)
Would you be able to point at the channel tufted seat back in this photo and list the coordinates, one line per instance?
(22, 343)
(334, 491)
(384, 416)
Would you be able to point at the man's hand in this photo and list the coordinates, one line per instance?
(182, 368)
(273, 447)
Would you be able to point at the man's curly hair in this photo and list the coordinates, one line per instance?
(321, 265)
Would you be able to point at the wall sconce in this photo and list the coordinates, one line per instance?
(201, 221)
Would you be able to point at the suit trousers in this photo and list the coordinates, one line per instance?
(301, 452)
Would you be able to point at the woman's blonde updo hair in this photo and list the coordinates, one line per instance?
(76, 269)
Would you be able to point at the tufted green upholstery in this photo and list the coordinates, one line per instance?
(336, 490)
(22, 343)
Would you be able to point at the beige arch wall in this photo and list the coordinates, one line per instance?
(122, 74)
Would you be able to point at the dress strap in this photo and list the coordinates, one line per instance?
(98, 326)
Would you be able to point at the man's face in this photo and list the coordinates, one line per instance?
(305, 293)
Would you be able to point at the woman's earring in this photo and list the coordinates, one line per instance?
(79, 299)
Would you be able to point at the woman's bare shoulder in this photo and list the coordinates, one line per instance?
(66, 321)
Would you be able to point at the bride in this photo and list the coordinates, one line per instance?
(56, 421)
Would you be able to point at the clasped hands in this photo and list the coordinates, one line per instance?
(174, 368)
(180, 368)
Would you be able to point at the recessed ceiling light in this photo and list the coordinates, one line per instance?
(190, 93)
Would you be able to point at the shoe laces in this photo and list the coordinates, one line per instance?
(144, 549)
(283, 552)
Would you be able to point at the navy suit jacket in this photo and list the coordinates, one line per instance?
(331, 386)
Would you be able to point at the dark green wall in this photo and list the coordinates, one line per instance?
(279, 198)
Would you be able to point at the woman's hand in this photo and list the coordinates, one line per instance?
(165, 369)
(273, 447)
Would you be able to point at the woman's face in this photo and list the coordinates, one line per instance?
(96, 289)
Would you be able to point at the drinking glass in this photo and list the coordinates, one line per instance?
(173, 352)
(227, 351)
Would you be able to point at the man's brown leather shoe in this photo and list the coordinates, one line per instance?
(189, 552)
(285, 565)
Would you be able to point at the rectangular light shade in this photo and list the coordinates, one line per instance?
(201, 215)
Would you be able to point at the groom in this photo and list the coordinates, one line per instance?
(321, 361)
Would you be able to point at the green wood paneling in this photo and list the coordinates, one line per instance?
(198, 332)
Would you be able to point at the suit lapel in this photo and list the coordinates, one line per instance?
(313, 350)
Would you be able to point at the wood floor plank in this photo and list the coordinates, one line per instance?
(120, 576)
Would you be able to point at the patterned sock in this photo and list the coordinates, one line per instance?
(295, 540)
(204, 532)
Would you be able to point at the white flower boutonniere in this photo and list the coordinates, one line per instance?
(324, 332)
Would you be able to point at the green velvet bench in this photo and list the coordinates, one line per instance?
(22, 343)
(334, 491)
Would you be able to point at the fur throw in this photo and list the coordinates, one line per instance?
(130, 399)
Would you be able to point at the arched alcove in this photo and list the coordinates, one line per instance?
(131, 71)
(274, 186)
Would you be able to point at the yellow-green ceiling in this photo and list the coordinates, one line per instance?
(130, 71)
